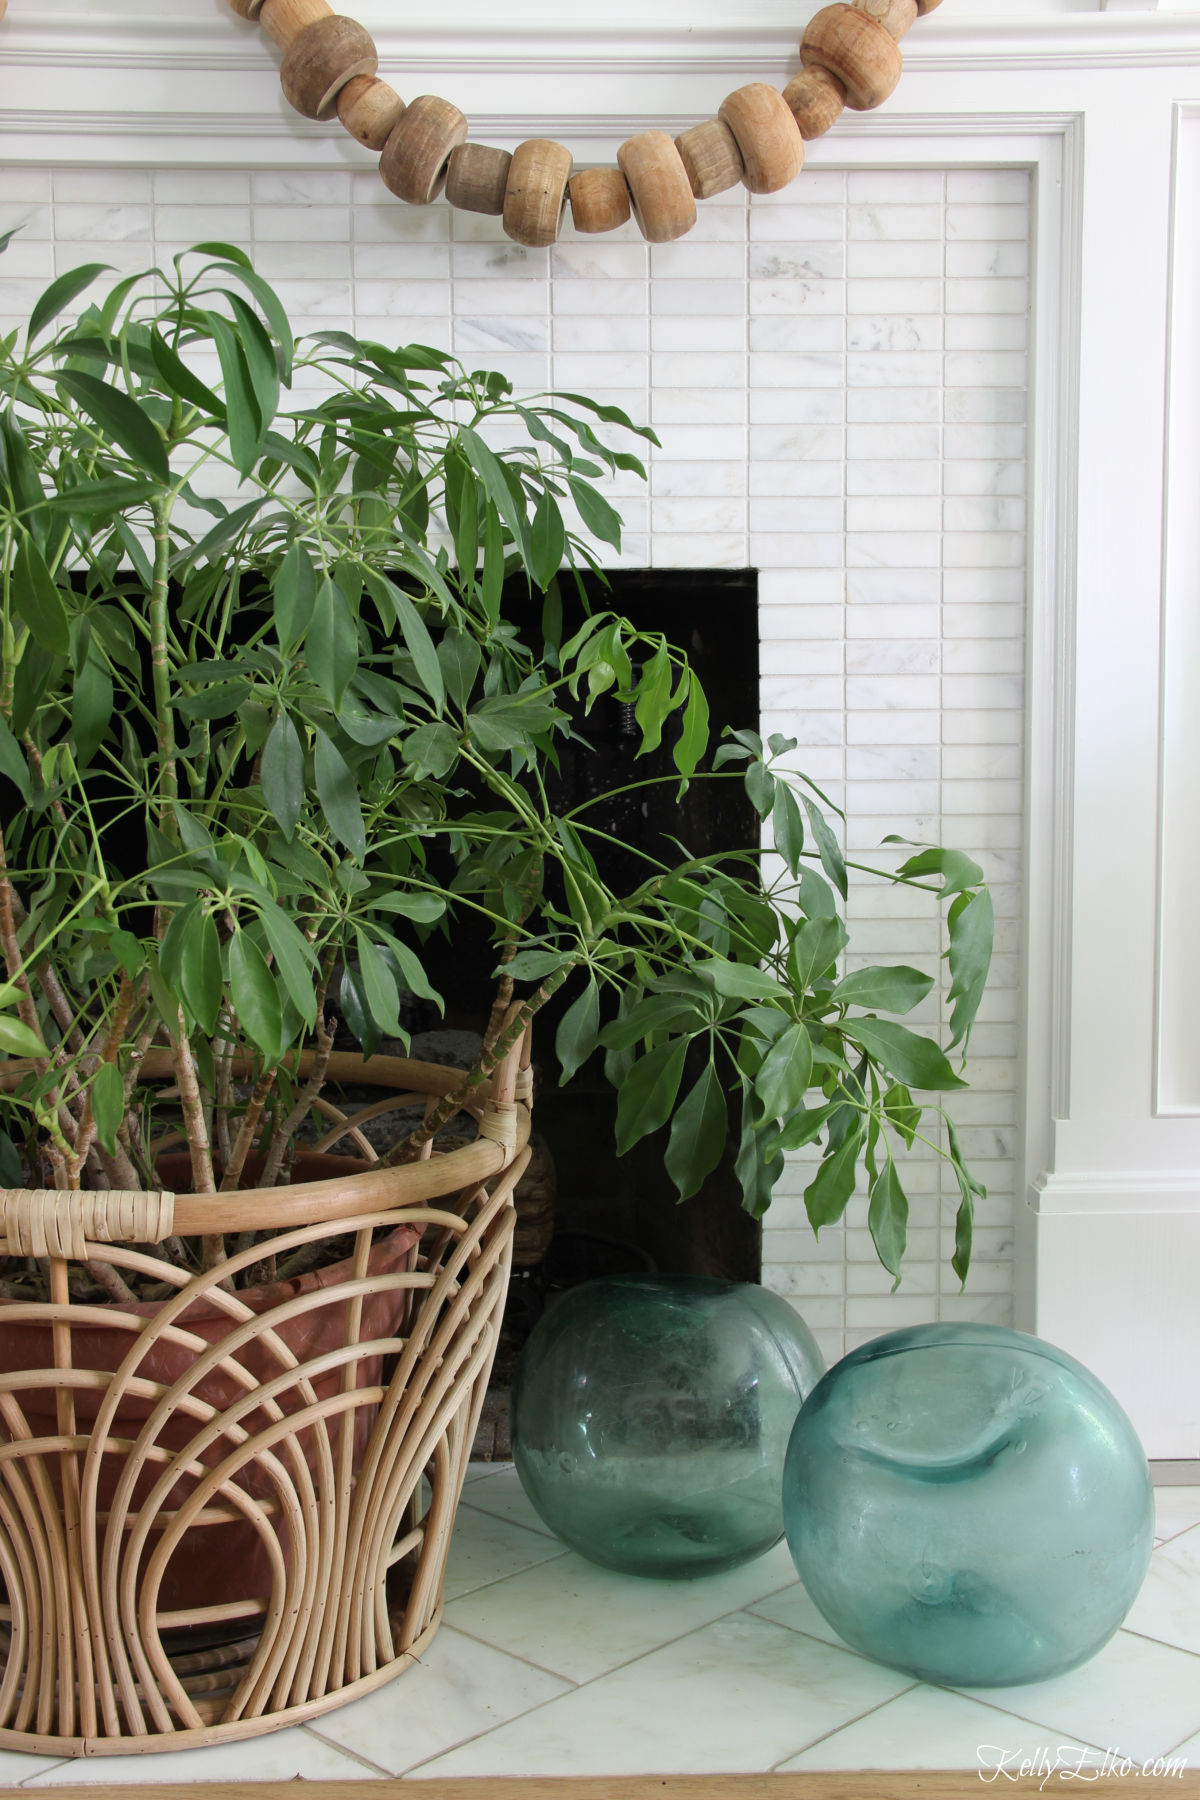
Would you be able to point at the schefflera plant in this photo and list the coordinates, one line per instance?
(256, 751)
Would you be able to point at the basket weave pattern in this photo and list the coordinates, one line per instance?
(326, 1422)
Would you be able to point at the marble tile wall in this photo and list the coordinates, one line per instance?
(837, 376)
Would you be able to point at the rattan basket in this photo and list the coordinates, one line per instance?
(338, 1454)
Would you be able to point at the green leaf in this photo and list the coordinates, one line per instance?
(352, 1004)
(760, 789)
(828, 1193)
(900, 1112)
(293, 959)
(964, 1221)
(379, 987)
(803, 1127)
(887, 1218)
(91, 708)
(200, 971)
(656, 1012)
(459, 656)
(12, 761)
(652, 704)
(972, 928)
(243, 420)
(431, 749)
(260, 360)
(415, 633)
(107, 1091)
(758, 1167)
(114, 494)
(241, 268)
(578, 1032)
(337, 791)
(786, 1074)
(412, 971)
(487, 466)
(740, 981)
(179, 379)
(283, 774)
(959, 871)
(827, 844)
(294, 596)
(255, 996)
(462, 514)
(788, 826)
(534, 965)
(332, 642)
(547, 540)
(916, 1061)
(17, 1039)
(38, 600)
(60, 294)
(492, 574)
(893, 988)
(693, 737)
(647, 1096)
(122, 420)
(815, 949)
(697, 1140)
(601, 519)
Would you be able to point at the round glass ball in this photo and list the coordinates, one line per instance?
(968, 1504)
(650, 1417)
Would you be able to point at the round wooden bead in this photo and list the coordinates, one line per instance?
(477, 178)
(245, 9)
(599, 199)
(536, 195)
(369, 108)
(926, 6)
(817, 100)
(284, 20)
(864, 57)
(417, 154)
(710, 155)
(767, 136)
(663, 203)
(896, 16)
(325, 56)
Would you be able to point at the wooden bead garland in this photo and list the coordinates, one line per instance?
(663, 203)
(321, 60)
(536, 195)
(849, 55)
(767, 136)
(416, 156)
(864, 57)
(600, 200)
(477, 178)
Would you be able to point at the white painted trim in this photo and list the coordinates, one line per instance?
(1119, 1191)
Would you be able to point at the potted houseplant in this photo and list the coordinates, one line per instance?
(266, 729)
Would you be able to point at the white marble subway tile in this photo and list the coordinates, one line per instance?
(984, 550)
(893, 656)
(19, 295)
(981, 620)
(401, 299)
(796, 406)
(989, 258)
(809, 224)
(980, 443)
(318, 301)
(903, 512)
(800, 693)
(818, 479)
(894, 406)
(979, 187)
(491, 258)
(784, 513)
(35, 222)
(710, 443)
(985, 477)
(810, 728)
(820, 187)
(411, 260)
(866, 1280)
(981, 1309)
(796, 295)
(797, 1279)
(888, 693)
(689, 369)
(798, 334)
(986, 587)
(779, 369)
(500, 336)
(800, 625)
(300, 187)
(799, 590)
(120, 259)
(686, 479)
(964, 295)
(600, 333)
(984, 368)
(986, 223)
(692, 261)
(880, 259)
(896, 187)
(870, 798)
(805, 657)
(810, 264)
(812, 550)
(100, 223)
(893, 550)
(887, 443)
(700, 516)
(689, 297)
(697, 406)
(893, 478)
(379, 218)
(687, 335)
(324, 224)
(207, 187)
(499, 296)
(982, 762)
(893, 587)
(712, 550)
(818, 443)
(102, 187)
(896, 223)
(585, 372)
(304, 262)
(25, 186)
(896, 334)
(987, 331)
(890, 1312)
(20, 259)
(984, 405)
(431, 329)
(897, 295)
(992, 656)
(894, 368)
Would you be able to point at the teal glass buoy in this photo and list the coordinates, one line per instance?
(650, 1417)
(968, 1504)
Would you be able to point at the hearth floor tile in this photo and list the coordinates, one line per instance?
(580, 1621)
(1176, 1509)
(1168, 1607)
(491, 1549)
(503, 1496)
(738, 1694)
(282, 1756)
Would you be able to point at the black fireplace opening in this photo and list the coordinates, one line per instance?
(583, 1211)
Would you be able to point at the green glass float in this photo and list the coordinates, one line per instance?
(968, 1504)
(650, 1417)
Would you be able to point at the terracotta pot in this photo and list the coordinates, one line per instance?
(225, 1561)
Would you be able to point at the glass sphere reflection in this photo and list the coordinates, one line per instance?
(650, 1416)
(969, 1504)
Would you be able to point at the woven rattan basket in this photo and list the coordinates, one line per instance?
(219, 1422)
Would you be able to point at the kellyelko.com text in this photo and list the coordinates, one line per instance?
(1069, 1762)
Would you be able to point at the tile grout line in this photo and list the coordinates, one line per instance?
(845, 1726)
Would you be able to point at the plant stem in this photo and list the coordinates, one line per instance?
(312, 1087)
(160, 662)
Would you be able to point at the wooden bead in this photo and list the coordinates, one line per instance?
(863, 56)
(767, 136)
(245, 9)
(599, 199)
(325, 56)
(417, 154)
(926, 6)
(711, 157)
(477, 178)
(284, 20)
(369, 108)
(817, 100)
(663, 203)
(536, 195)
(896, 16)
